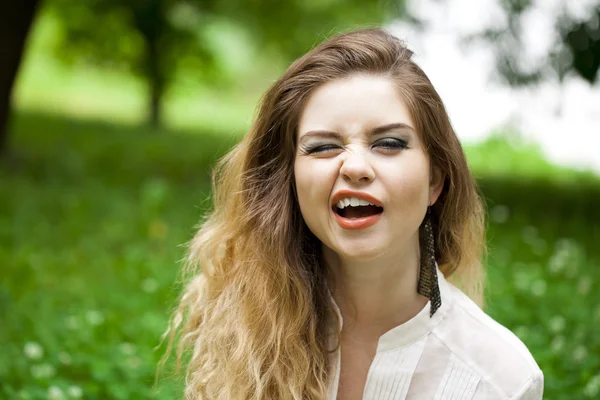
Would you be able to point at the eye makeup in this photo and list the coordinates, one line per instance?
(389, 143)
(317, 148)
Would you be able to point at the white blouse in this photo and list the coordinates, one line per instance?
(458, 354)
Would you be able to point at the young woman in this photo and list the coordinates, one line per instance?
(343, 225)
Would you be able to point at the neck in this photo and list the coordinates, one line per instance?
(375, 295)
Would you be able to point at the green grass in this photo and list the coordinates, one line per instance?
(93, 216)
(92, 221)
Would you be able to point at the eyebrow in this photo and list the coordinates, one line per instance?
(372, 132)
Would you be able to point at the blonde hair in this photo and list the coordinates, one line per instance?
(257, 318)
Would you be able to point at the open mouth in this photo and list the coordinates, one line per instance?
(354, 212)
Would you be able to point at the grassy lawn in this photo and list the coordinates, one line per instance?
(92, 221)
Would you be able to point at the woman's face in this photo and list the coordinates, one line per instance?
(356, 141)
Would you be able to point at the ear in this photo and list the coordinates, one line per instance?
(436, 184)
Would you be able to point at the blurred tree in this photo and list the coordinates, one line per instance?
(145, 37)
(153, 37)
(583, 40)
(15, 21)
(291, 28)
(576, 48)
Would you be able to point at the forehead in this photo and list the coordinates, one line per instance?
(353, 105)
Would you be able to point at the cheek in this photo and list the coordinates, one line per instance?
(409, 188)
(312, 188)
(303, 180)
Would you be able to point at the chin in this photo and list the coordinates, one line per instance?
(362, 252)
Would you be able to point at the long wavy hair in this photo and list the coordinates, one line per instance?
(255, 318)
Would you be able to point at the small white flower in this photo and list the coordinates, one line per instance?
(94, 317)
(579, 354)
(33, 351)
(572, 255)
(134, 362)
(530, 234)
(557, 344)
(49, 370)
(55, 393)
(43, 371)
(584, 285)
(538, 288)
(557, 263)
(592, 388)
(35, 371)
(521, 331)
(71, 322)
(557, 324)
(522, 279)
(500, 214)
(64, 358)
(127, 348)
(149, 285)
(564, 244)
(75, 392)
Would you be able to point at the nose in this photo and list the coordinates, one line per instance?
(356, 168)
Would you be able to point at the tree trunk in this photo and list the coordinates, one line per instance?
(15, 21)
(150, 22)
(155, 82)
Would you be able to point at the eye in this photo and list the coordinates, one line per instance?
(391, 143)
(320, 149)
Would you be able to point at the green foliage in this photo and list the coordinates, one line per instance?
(574, 48)
(114, 33)
(583, 40)
(157, 39)
(293, 27)
(48, 85)
(91, 231)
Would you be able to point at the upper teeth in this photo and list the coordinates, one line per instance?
(353, 201)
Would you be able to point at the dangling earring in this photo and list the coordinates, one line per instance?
(428, 282)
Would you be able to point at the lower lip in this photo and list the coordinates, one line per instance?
(357, 223)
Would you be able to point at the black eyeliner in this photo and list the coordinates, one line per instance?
(392, 143)
(318, 148)
(389, 143)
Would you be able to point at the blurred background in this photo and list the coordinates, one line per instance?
(112, 113)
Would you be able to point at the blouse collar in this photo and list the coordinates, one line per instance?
(416, 327)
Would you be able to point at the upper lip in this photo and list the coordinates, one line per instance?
(344, 194)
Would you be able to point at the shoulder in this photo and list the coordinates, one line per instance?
(502, 361)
